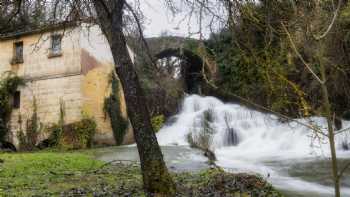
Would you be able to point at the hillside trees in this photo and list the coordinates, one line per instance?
(21, 15)
(282, 56)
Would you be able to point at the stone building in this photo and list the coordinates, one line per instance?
(67, 63)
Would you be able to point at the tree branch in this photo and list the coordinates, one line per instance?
(300, 56)
(138, 23)
(336, 13)
(341, 173)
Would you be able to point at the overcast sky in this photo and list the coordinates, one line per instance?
(160, 19)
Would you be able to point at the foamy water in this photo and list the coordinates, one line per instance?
(261, 139)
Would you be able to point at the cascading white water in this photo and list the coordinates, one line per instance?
(245, 139)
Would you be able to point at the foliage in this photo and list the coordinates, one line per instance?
(76, 135)
(112, 108)
(256, 62)
(157, 122)
(28, 140)
(8, 86)
(85, 131)
(57, 129)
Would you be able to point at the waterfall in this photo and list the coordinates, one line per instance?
(246, 132)
(245, 140)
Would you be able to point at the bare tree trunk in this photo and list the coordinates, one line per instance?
(331, 135)
(156, 178)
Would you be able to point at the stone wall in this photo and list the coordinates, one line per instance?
(49, 80)
(79, 78)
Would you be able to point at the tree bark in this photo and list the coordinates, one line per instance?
(156, 178)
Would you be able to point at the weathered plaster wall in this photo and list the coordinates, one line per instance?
(80, 78)
(97, 66)
(48, 80)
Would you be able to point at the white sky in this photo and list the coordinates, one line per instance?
(160, 19)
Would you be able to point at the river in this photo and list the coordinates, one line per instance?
(290, 156)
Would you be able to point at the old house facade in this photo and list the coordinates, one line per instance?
(63, 65)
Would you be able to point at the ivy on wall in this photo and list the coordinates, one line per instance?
(113, 110)
(9, 83)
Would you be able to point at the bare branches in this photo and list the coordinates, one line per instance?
(300, 56)
(336, 13)
(343, 130)
(15, 13)
(341, 173)
(142, 37)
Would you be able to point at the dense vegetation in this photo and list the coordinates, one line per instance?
(8, 87)
(256, 60)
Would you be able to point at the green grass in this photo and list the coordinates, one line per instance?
(26, 174)
(53, 173)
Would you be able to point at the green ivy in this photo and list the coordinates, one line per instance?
(9, 83)
(113, 110)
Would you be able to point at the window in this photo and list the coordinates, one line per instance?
(18, 53)
(56, 45)
(17, 100)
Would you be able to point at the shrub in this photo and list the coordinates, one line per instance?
(76, 135)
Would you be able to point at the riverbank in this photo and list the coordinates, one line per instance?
(80, 174)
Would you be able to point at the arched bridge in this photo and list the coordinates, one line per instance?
(170, 46)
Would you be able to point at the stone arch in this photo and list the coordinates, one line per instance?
(191, 71)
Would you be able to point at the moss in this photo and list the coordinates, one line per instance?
(157, 122)
(112, 109)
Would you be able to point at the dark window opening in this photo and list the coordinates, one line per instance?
(56, 45)
(17, 100)
(18, 53)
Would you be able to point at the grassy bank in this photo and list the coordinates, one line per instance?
(79, 174)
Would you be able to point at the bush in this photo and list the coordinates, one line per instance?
(77, 135)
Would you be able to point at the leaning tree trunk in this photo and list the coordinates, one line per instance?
(156, 178)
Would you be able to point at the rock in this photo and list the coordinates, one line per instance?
(346, 115)
(338, 124)
(210, 155)
(346, 145)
